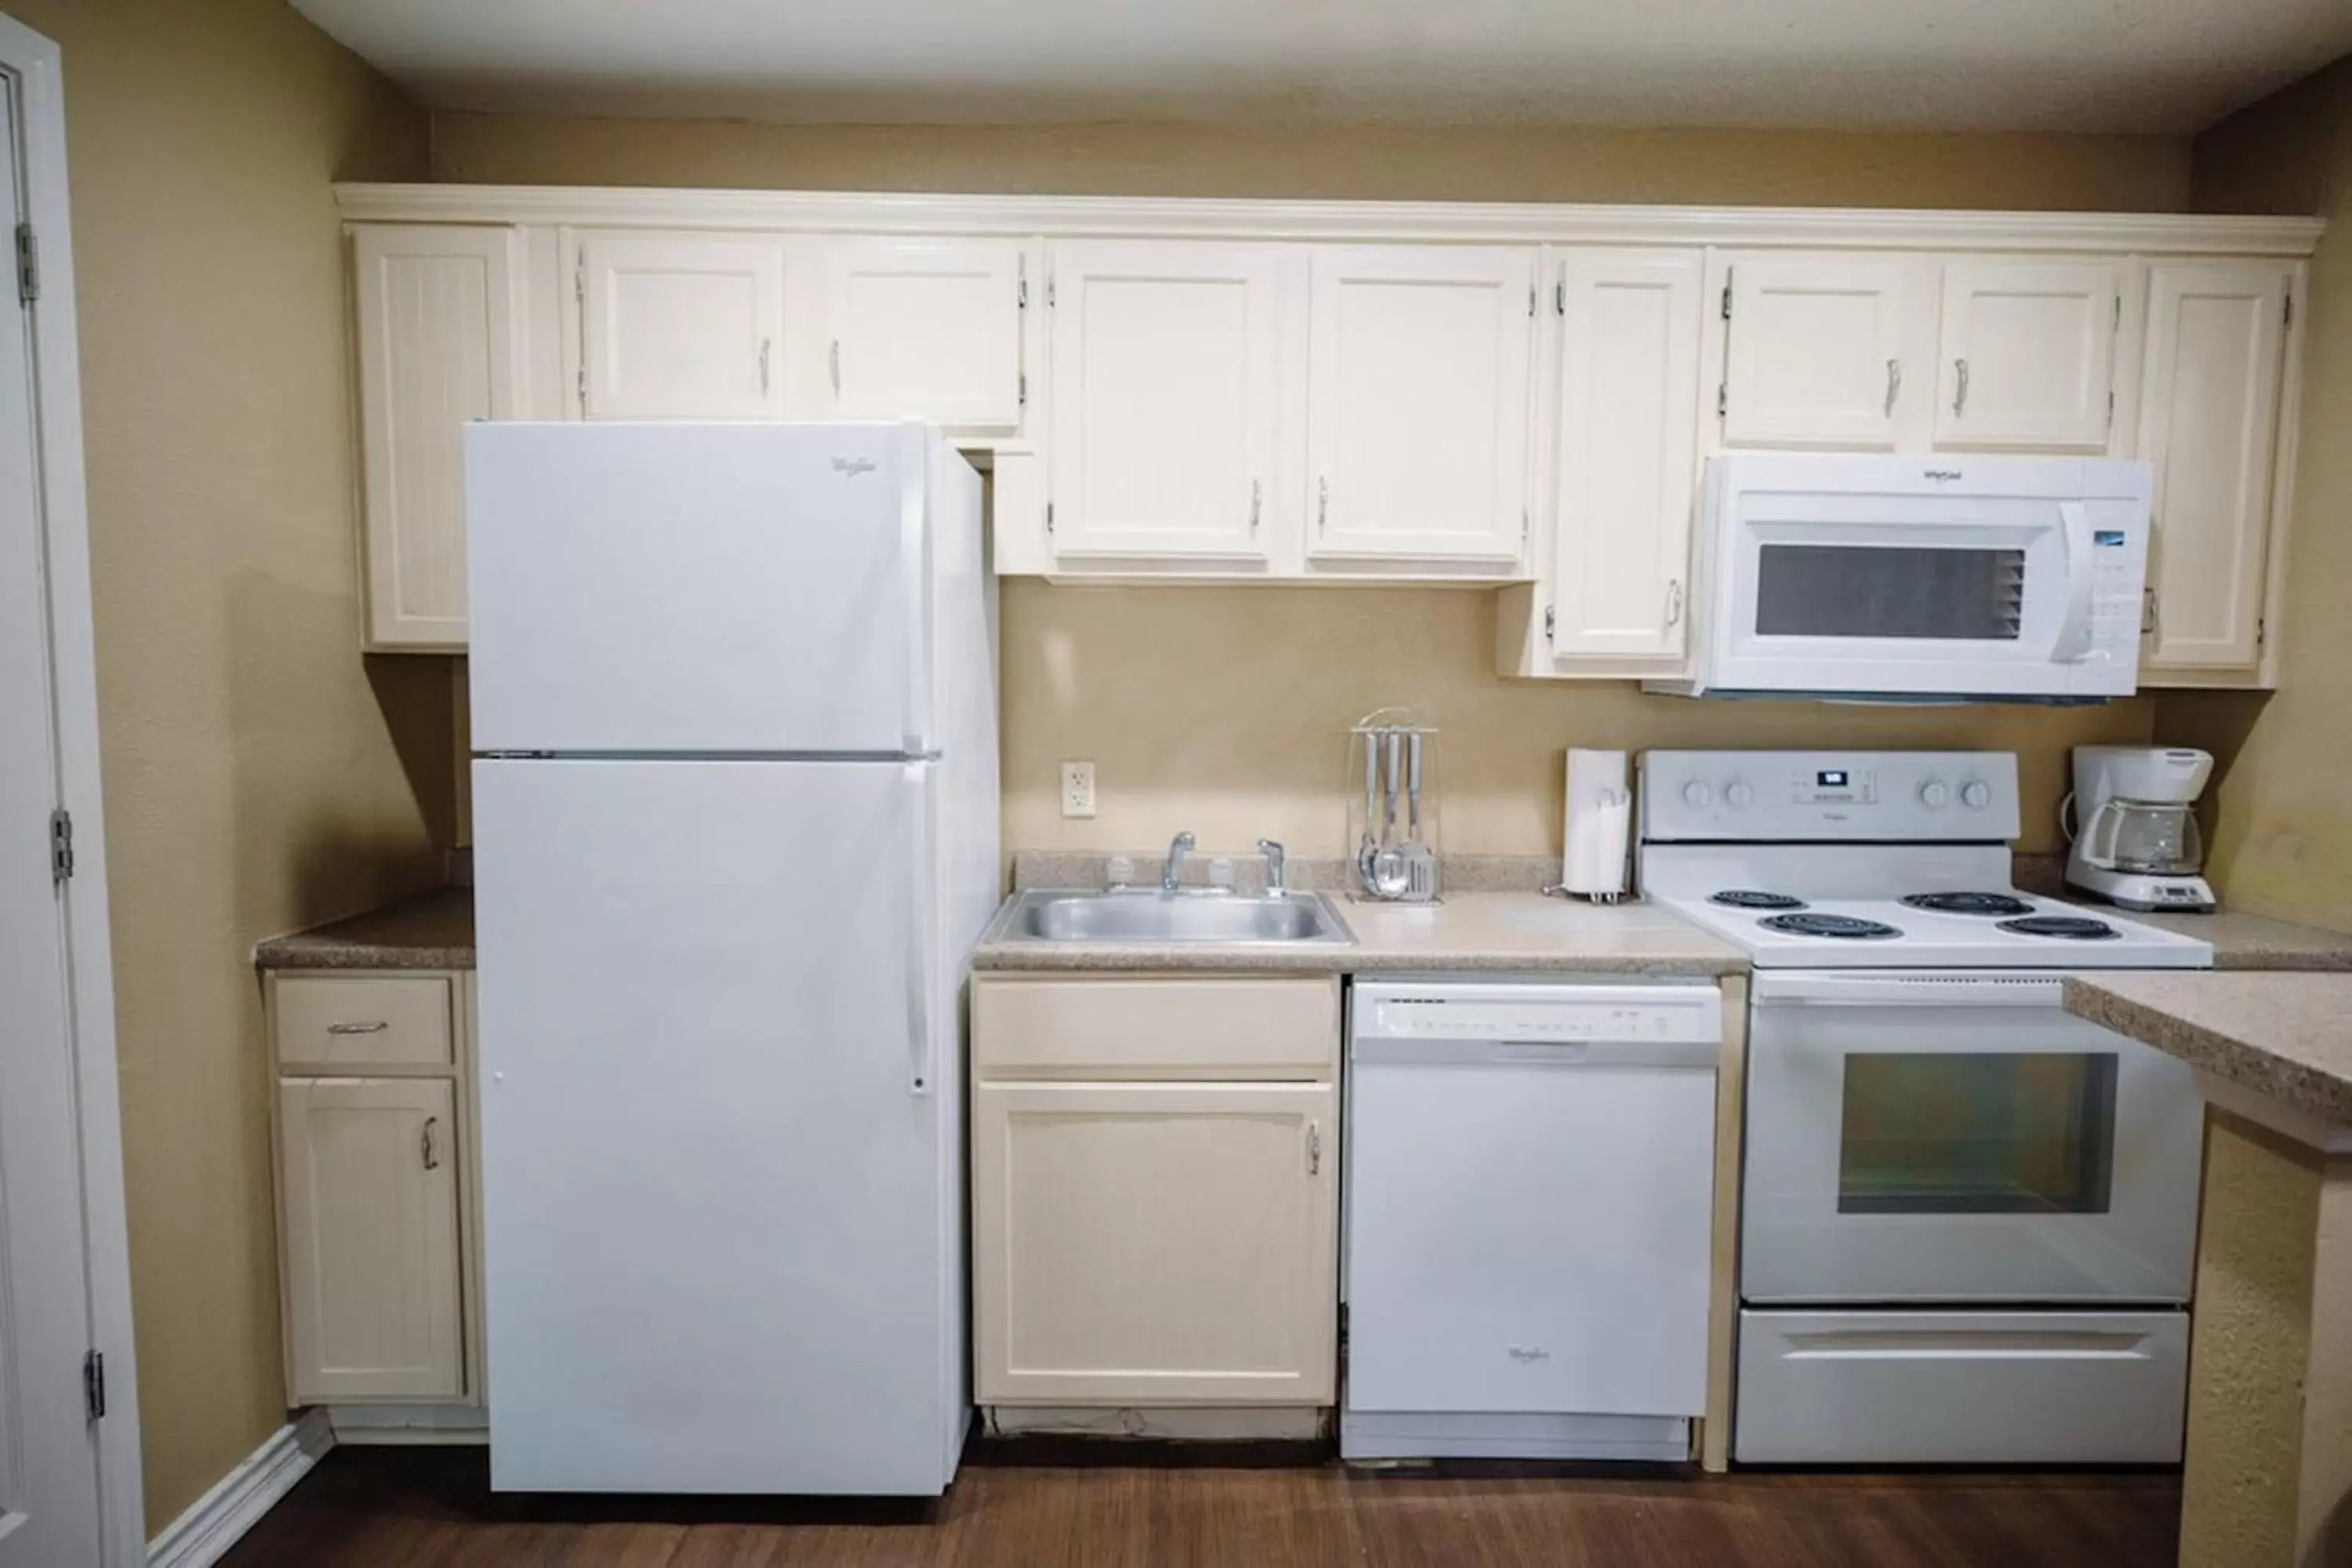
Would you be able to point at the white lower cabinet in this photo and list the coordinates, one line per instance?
(375, 1308)
(1144, 1235)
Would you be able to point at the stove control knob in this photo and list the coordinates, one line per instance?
(1935, 795)
(1698, 792)
(1976, 794)
(1737, 795)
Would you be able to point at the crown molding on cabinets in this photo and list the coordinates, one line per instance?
(1370, 222)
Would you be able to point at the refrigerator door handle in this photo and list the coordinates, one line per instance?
(914, 559)
(919, 967)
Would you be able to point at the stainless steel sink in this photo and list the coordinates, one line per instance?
(1148, 915)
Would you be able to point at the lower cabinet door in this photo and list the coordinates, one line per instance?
(1155, 1243)
(368, 1168)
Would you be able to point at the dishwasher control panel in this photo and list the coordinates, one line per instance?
(1537, 1012)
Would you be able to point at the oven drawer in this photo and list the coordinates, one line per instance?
(1927, 1388)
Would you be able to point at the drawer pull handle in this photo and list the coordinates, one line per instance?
(376, 1028)
(424, 1140)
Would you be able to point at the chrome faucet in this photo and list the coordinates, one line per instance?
(1170, 873)
(1272, 853)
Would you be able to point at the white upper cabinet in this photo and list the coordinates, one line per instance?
(440, 343)
(2209, 419)
(926, 328)
(1624, 465)
(1417, 403)
(1166, 424)
(2029, 353)
(677, 326)
(1818, 351)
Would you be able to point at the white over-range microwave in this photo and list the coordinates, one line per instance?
(1917, 579)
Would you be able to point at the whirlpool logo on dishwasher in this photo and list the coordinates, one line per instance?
(853, 466)
(1528, 1356)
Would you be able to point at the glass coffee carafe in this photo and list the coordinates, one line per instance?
(2157, 838)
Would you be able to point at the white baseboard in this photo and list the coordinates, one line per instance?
(218, 1519)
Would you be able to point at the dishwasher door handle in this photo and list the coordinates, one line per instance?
(1473, 1052)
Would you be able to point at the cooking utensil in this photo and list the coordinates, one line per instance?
(1369, 846)
(1420, 860)
(1391, 874)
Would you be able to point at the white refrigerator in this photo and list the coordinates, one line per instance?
(735, 832)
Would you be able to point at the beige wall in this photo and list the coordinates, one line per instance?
(251, 781)
(2281, 843)
(1224, 710)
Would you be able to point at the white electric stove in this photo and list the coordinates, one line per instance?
(1967, 1216)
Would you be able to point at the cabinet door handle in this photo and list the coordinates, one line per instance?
(425, 1143)
(833, 361)
(1322, 504)
(1314, 1148)
(374, 1027)
(1960, 388)
(1674, 603)
(764, 367)
(1894, 384)
(1257, 494)
(2150, 616)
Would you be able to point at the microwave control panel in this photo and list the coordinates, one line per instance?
(1888, 796)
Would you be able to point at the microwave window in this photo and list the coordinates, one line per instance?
(1889, 591)
(1961, 1134)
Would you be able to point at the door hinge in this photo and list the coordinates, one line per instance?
(1548, 623)
(93, 1386)
(61, 853)
(1722, 398)
(1049, 516)
(28, 265)
(1726, 293)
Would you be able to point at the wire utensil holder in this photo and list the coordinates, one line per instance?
(1392, 817)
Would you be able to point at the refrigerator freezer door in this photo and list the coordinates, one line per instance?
(722, 1245)
(700, 588)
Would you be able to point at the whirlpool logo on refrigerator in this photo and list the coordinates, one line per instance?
(853, 466)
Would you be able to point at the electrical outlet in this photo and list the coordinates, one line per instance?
(1077, 789)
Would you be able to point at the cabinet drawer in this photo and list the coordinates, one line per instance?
(351, 1022)
(1287, 1028)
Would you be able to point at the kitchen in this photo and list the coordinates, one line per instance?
(1160, 684)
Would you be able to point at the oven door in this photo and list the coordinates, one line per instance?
(1956, 1137)
(1908, 594)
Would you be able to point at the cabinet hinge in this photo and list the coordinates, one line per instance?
(2111, 410)
(1049, 516)
(62, 851)
(1560, 298)
(580, 284)
(1049, 291)
(1024, 389)
(2116, 312)
(1523, 525)
(1548, 623)
(1722, 398)
(28, 265)
(93, 1386)
(1726, 293)
(2290, 303)
(2262, 630)
(1314, 1148)
(1021, 283)
(1531, 301)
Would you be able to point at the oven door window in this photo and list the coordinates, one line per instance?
(1890, 591)
(1961, 1134)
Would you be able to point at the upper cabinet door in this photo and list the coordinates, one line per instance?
(926, 328)
(1816, 352)
(2209, 419)
(1626, 464)
(440, 343)
(1166, 419)
(2028, 350)
(678, 326)
(1418, 403)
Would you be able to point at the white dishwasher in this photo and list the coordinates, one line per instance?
(1529, 1194)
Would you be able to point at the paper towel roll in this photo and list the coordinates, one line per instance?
(1599, 824)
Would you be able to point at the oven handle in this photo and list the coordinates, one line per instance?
(2044, 991)
(2073, 638)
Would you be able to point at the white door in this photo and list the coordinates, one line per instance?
(723, 1222)
(926, 328)
(1816, 354)
(369, 1168)
(49, 1448)
(699, 587)
(1165, 425)
(2208, 423)
(679, 326)
(1145, 1243)
(2028, 350)
(440, 343)
(1625, 465)
(1417, 403)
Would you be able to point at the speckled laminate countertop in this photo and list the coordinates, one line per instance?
(2257, 942)
(433, 931)
(1516, 933)
(2285, 1035)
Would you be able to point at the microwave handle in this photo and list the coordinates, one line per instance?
(2074, 640)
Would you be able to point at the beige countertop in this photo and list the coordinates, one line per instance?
(1517, 933)
(2257, 942)
(432, 931)
(2287, 1035)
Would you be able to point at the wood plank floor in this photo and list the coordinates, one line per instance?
(432, 1508)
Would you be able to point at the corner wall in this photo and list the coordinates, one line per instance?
(2281, 841)
(252, 778)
